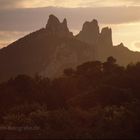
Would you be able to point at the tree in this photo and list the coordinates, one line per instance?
(69, 72)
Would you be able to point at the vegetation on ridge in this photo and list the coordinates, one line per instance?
(95, 101)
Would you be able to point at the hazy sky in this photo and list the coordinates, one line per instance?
(20, 17)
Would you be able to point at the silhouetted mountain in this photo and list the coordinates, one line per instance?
(103, 44)
(47, 51)
(54, 27)
(97, 100)
(105, 37)
(90, 32)
(50, 50)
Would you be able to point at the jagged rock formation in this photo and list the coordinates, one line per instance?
(101, 42)
(50, 50)
(54, 27)
(103, 45)
(69, 53)
(90, 32)
(105, 37)
(47, 51)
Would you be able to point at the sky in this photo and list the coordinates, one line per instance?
(20, 17)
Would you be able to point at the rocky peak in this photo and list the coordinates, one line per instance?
(106, 31)
(52, 21)
(65, 22)
(90, 32)
(92, 26)
(106, 37)
(65, 26)
(55, 27)
(121, 45)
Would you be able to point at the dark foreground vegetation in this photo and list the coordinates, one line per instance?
(95, 101)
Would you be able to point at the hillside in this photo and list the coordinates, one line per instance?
(50, 50)
(47, 51)
(103, 44)
(94, 101)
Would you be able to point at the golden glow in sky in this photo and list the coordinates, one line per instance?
(129, 34)
(78, 3)
(66, 3)
(126, 29)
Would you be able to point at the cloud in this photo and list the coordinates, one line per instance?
(34, 18)
(125, 21)
(5, 4)
(137, 45)
(7, 37)
(8, 4)
(114, 3)
(134, 2)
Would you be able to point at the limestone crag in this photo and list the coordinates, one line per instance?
(89, 32)
(52, 49)
(105, 37)
(55, 27)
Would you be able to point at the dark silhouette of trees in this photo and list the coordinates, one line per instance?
(94, 101)
(69, 72)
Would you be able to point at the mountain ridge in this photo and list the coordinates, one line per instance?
(50, 50)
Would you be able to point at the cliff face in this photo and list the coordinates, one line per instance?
(50, 50)
(101, 42)
(68, 53)
(105, 37)
(47, 51)
(89, 33)
(55, 27)
(103, 45)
